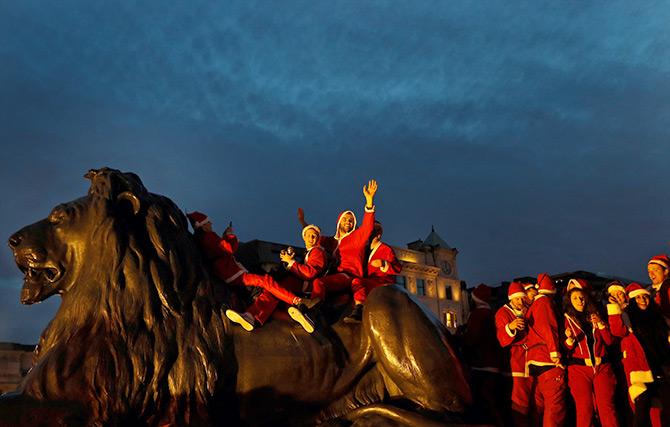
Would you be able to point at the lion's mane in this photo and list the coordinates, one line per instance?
(144, 311)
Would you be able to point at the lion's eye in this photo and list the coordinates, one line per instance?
(56, 216)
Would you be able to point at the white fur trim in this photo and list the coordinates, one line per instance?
(575, 283)
(517, 295)
(641, 377)
(509, 331)
(616, 288)
(613, 309)
(529, 285)
(659, 262)
(370, 210)
(636, 292)
(311, 227)
(199, 224)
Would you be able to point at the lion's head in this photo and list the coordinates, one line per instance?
(135, 297)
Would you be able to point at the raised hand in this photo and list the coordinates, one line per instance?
(369, 192)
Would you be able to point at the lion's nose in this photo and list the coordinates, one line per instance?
(15, 240)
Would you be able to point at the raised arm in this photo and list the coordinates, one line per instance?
(301, 218)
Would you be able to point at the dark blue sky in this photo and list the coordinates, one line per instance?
(533, 135)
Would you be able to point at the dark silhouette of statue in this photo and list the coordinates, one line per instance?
(140, 338)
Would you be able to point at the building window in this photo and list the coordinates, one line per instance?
(447, 292)
(420, 287)
(401, 281)
(450, 319)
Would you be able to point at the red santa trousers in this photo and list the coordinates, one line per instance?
(593, 391)
(266, 303)
(368, 284)
(550, 395)
(521, 394)
(338, 282)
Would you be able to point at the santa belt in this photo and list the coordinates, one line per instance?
(587, 362)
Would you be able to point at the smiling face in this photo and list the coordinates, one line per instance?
(578, 300)
(642, 301)
(346, 223)
(311, 238)
(657, 274)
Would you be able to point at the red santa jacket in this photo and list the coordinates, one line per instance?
(638, 372)
(578, 347)
(480, 346)
(349, 249)
(390, 264)
(514, 341)
(315, 264)
(542, 328)
(219, 251)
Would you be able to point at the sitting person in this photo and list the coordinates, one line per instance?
(348, 248)
(219, 251)
(591, 378)
(302, 274)
(383, 266)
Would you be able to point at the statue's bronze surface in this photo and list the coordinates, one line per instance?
(140, 338)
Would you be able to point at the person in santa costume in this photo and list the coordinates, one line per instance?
(511, 334)
(302, 274)
(644, 348)
(531, 292)
(658, 269)
(544, 359)
(383, 265)
(348, 248)
(482, 352)
(591, 378)
(219, 251)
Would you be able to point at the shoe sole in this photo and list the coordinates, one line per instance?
(237, 318)
(299, 317)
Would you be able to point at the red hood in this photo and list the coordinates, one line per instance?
(337, 227)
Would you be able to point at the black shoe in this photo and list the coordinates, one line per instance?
(299, 314)
(356, 314)
(311, 303)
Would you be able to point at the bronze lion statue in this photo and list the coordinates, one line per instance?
(140, 337)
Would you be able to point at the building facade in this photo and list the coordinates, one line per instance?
(15, 362)
(429, 271)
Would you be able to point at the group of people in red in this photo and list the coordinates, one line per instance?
(572, 341)
(354, 261)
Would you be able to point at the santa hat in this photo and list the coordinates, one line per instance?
(481, 294)
(661, 260)
(516, 290)
(311, 227)
(529, 286)
(580, 284)
(546, 284)
(634, 289)
(197, 219)
(615, 286)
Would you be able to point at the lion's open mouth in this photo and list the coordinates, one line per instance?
(39, 280)
(40, 274)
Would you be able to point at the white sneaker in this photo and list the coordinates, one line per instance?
(245, 319)
(301, 318)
